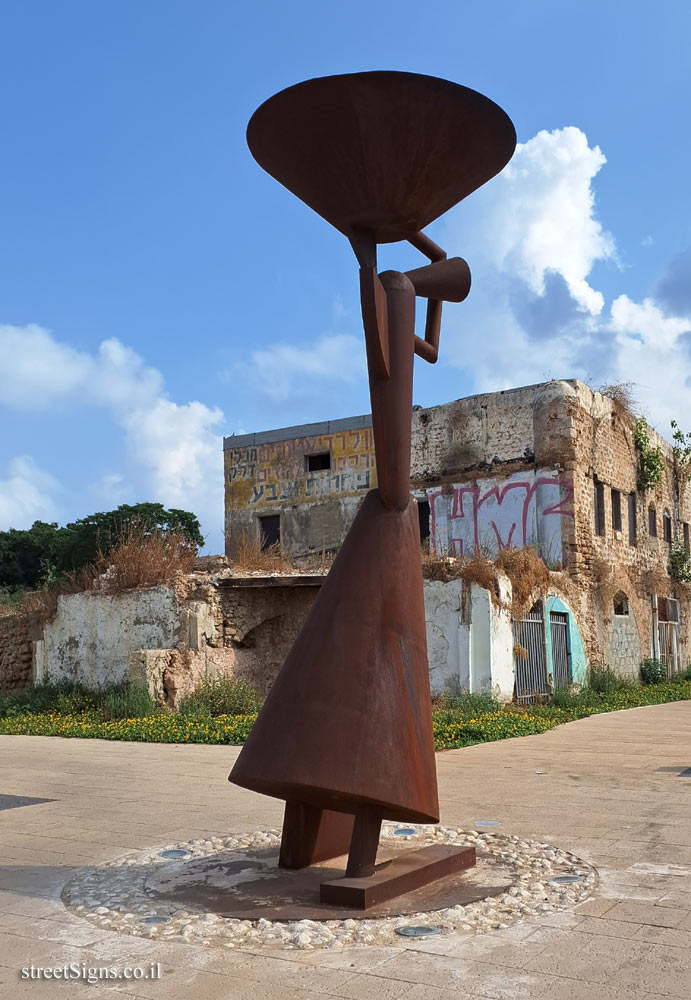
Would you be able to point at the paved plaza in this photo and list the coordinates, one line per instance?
(607, 788)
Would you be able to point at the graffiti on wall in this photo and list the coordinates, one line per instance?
(526, 509)
(277, 472)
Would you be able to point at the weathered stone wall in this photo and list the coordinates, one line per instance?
(479, 431)
(602, 432)
(15, 654)
(268, 473)
(260, 624)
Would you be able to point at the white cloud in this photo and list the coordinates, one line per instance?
(532, 237)
(26, 495)
(653, 351)
(538, 215)
(283, 371)
(176, 450)
(184, 455)
(37, 371)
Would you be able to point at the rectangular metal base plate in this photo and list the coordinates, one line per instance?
(394, 878)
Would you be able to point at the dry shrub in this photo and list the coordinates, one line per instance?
(520, 651)
(140, 559)
(40, 606)
(623, 394)
(528, 575)
(250, 557)
(530, 578)
(440, 568)
(317, 562)
(482, 571)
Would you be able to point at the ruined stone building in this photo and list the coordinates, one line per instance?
(551, 466)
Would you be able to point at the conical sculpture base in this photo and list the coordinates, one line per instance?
(348, 722)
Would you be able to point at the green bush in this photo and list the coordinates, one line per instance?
(124, 701)
(564, 697)
(116, 701)
(222, 696)
(466, 704)
(604, 680)
(653, 672)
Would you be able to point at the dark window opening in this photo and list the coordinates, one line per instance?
(616, 510)
(319, 462)
(652, 522)
(667, 527)
(632, 518)
(599, 508)
(270, 530)
(685, 526)
(668, 610)
(423, 519)
(621, 604)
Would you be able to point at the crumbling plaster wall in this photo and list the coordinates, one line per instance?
(92, 634)
(172, 638)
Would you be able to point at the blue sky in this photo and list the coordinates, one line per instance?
(158, 290)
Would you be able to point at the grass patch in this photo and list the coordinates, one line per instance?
(223, 712)
(64, 698)
(224, 696)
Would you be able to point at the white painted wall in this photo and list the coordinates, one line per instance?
(92, 635)
(477, 654)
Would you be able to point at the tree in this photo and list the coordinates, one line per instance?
(28, 558)
(34, 557)
(82, 541)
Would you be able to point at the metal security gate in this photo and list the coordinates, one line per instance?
(559, 630)
(530, 657)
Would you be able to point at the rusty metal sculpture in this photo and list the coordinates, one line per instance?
(345, 735)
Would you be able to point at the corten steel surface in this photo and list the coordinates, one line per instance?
(385, 152)
(394, 878)
(311, 835)
(347, 726)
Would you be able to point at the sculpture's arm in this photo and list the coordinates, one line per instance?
(441, 281)
(373, 303)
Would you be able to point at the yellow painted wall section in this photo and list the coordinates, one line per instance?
(275, 473)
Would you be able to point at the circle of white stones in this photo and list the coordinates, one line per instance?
(114, 895)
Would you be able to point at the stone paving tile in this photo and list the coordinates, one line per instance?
(196, 985)
(571, 989)
(455, 974)
(646, 913)
(359, 959)
(514, 955)
(673, 937)
(609, 928)
(364, 987)
(594, 907)
(417, 991)
(298, 976)
(591, 963)
(676, 898)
